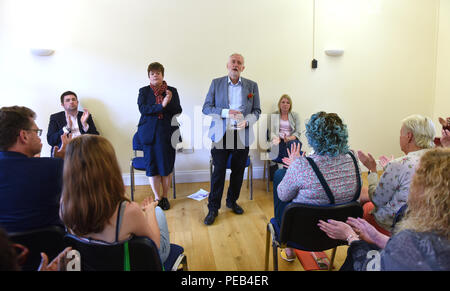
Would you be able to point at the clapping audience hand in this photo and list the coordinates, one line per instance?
(336, 229)
(365, 230)
(58, 264)
(167, 99)
(445, 138)
(368, 161)
(85, 117)
(61, 152)
(385, 160)
(293, 154)
(276, 140)
(149, 204)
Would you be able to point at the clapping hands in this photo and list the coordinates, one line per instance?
(384, 161)
(167, 99)
(61, 152)
(85, 117)
(293, 154)
(148, 204)
(368, 161)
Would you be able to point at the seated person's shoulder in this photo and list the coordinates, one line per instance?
(133, 209)
(58, 114)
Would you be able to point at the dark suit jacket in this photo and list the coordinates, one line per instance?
(58, 121)
(30, 190)
(148, 122)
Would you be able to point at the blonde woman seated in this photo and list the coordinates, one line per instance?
(284, 129)
(421, 240)
(93, 202)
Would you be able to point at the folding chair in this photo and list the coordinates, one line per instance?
(49, 240)
(134, 254)
(299, 229)
(137, 163)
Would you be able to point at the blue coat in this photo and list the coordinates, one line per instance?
(30, 190)
(148, 123)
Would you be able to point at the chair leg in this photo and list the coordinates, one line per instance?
(174, 185)
(333, 255)
(132, 181)
(248, 177)
(264, 171)
(251, 180)
(268, 235)
(275, 256)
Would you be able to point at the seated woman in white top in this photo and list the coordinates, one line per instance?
(284, 129)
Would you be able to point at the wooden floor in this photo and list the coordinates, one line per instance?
(233, 242)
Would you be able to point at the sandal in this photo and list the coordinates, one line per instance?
(285, 257)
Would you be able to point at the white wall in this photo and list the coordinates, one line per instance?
(103, 47)
(442, 101)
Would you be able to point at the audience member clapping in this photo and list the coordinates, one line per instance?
(387, 195)
(421, 240)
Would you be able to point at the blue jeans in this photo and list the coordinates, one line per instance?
(164, 245)
(278, 205)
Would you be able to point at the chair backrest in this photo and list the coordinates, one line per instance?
(49, 240)
(137, 145)
(299, 224)
(96, 256)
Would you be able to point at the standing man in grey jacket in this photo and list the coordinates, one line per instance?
(233, 104)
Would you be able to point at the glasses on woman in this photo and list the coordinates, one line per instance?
(38, 131)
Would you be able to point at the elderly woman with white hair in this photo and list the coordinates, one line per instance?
(387, 195)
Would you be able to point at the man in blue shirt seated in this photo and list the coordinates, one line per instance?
(30, 187)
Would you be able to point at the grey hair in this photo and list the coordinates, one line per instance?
(422, 128)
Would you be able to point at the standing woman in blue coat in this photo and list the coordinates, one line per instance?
(159, 105)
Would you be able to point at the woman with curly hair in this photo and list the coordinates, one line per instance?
(328, 136)
(421, 240)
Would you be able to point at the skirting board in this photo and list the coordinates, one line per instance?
(203, 175)
(187, 176)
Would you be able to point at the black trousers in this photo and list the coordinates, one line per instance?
(220, 152)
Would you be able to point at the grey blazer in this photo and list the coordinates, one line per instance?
(294, 121)
(217, 99)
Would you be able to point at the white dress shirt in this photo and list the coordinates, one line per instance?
(234, 97)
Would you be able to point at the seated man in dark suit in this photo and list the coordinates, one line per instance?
(30, 187)
(70, 121)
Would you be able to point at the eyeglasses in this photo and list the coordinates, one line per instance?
(38, 131)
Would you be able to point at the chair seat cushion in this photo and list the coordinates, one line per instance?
(139, 163)
(175, 251)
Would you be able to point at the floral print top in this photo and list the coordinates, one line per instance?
(301, 185)
(392, 190)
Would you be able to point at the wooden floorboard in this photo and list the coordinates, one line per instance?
(233, 242)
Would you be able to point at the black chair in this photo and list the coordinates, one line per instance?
(49, 240)
(135, 254)
(299, 229)
(137, 163)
